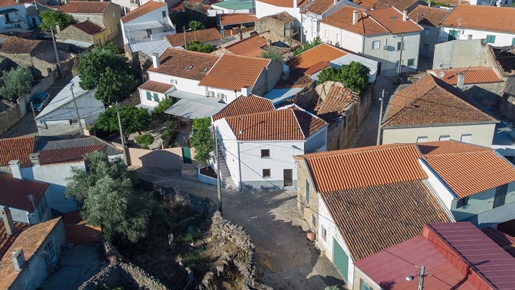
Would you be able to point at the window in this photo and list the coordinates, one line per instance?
(444, 138)
(400, 45)
(421, 139)
(42, 207)
(469, 36)
(490, 38)
(427, 31)
(411, 62)
(513, 41)
(376, 44)
(452, 34)
(363, 285)
(73, 121)
(149, 32)
(307, 192)
(164, 14)
(49, 253)
(465, 138)
(462, 202)
(324, 233)
(326, 33)
(265, 153)
(314, 220)
(500, 195)
(156, 97)
(266, 173)
(149, 96)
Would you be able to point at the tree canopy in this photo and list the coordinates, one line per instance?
(17, 83)
(273, 54)
(109, 199)
(113, 85)
(354, 76)
(200, 47)
(196, 25)
(50, 17)
(133, 119)
(202, 139)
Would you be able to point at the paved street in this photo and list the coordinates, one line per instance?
(285, 257)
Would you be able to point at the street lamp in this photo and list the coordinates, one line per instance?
(184, 33)
(421, 275)
(380, 118)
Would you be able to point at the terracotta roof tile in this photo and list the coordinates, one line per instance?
(473, 75)
(391, 18)
(431, 101)
(311, 57)
(142, 10)
(89, 27)
(234, 72)
(30, 240)
(283, 17)
(489, 18)
(448, 147)
(372, 219)
(399, 4)
(283, 124)
(15, 191)
(252, 46)
(15, 149)
(84, 7)
(203, 35)
(366, 166)
(366, 3)
(6, 3)
(5, 240)
(245, 105)
(156, 86)
(335, 103)
(67, 155)
(230, 19)
(319, 6)
(284, 3)
(316, 67)
(431, 16)
(342, 18)
(177, 62)
(16, 45)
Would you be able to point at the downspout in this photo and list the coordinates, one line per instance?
(239, 168)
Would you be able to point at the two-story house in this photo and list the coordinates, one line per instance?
(13, 14)
(429, 18)
(104, 14)
(149, 22)
(432, 110)
(385, 35)
(495, 24)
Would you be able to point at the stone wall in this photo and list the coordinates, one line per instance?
(9, 117)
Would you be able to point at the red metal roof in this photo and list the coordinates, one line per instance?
(505, 241)
(14, 192)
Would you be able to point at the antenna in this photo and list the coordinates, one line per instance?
(441, 74)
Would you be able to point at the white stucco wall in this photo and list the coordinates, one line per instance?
(342, 38)
(63, 127)
(141, 35)
(439, 187)
(230, 151)
(182, 84)
(482, 134)
(501, 39)
(264, 9)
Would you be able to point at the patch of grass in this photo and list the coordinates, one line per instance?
(190, 237)
(197, 261)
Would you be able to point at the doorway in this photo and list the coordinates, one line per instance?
(288, 177)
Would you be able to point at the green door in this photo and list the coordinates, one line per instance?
(186, 155)
(340, 259)
(452, 34)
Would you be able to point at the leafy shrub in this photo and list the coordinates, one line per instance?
(144, 140)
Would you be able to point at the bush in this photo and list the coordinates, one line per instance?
(273, 54)
(144, 140)
(17, 83)
(308, 45)
(200, 47)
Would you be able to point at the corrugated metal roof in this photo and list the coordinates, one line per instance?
(149, 47)
(279, 95)
(192, 110)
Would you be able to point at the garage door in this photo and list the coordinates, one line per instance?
(340, 259)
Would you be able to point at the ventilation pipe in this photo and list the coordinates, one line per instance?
(404, 15)
(155, 60)
(34, 158)
(8, 221)
(429, 3)
(355, 17)
(461, 81)
(295, 3)
(15, 168)
(245, 91)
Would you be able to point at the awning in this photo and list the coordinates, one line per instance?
(142, 26)
(193, 106)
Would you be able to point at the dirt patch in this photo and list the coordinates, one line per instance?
(208, 171)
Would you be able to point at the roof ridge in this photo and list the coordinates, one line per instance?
(73, 147)
(486, 151)
(355, 151)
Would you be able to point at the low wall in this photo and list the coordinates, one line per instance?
(10, 117)
(82, 234)
(169, 158)
(206, 179)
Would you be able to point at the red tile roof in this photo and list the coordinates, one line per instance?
(5, 240)
(499, 19)
(372, 219)
(399, 4)
(142, 10)
(342, 18)
(367, 166)
(15, 192)
(505, 241)
(449, 147)
(234, 72)
(245, 105)
(89, 27)
(177, 62)
(283, 124)
(431, 101)
(84, 7)
(229, 19)
(335, 103)
(282, 17)
(252, 46)
(67, 155)
(315, 56)
(319, 6)
(156, 86)
(284, 3)
(204, 35)
(391, 18)
(473, 75)
(431, 16)
(15, 149)
(316, 67)
(366, 3)
(16, 45)
(6, 3)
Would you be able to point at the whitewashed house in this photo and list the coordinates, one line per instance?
(149, 22)
(495, 24)
(13, 15)
(385, 35)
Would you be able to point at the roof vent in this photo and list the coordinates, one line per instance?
(393, 17)
(240, 132)
(204, 70)
(190, 67)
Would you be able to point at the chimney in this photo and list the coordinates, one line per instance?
(404, 15)
(429, 2)
(18, 259)
(15, 168)
(245, 91)
(8, 221)
(355, 17)
(155, 60)
(269, 43)
(34, 158)
(57, 28)
(461, 81)
(240, 35)
(335, 1)
(295, 3)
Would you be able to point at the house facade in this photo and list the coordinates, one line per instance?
(13, 14)
(282, 24)
(463, 23)
(428, 18)
(86, 31)
(385, 35)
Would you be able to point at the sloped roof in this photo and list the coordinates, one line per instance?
(155, 86)
(312, 57)
(237, 18)
(431, 101)
(367, 166)
(84, 7)
(277, 125)
(366, 3)
(282, 17)
(449, 147)
(67, 155)
(488, 18)
(5, 240)
(234, 72)
(284, 3)
(473, 75)
(245, 105)
(203, 35)
(177, 62)
(391, 18)
(319, 6)
(252, 46)
(342, 18)
(88, 27)
(335, 103)
(430, 16)
(505, 241)
(16, 149)
(399, 4)
(372, 219)
(7, 3)
(15, 192)
(142, 10)
(16, 45)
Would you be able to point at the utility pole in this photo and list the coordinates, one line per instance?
(421, 280)
(77, 111)
(59, 71)
(184, 33)
(122, 137)
(400, 58)
(380, 119)
(218, 185)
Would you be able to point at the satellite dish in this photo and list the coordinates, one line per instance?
(441, 74)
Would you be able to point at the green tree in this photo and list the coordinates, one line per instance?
(144, 140)
(200, 47)
(112, 47)
(50, 17)
(202, 139)
(354, 76)
(17, 83)
(273, 54)
(115, 86)
(196, 25)
(109, 198)
(133, 119)
(308, 45)
(159, 111)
